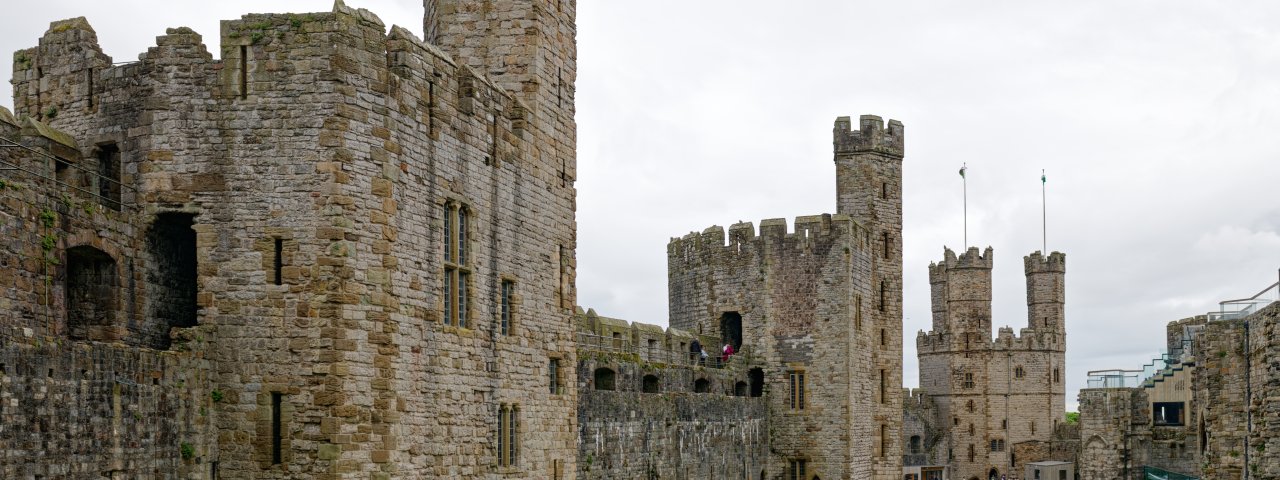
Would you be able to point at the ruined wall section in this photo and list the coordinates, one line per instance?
(642, 413)
(80, 380)
(1112, 436)
(1235, 391)
(925, 434)
(318, 133)
(797, 295)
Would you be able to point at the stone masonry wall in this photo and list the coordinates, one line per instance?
(995, 394)
(1111, 433)
(798, 295)
(344, 146)
(676, 432)
(868, 164)
(1236, 390)
(80, 378)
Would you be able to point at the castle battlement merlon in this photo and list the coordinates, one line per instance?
(774, 230)
(969, 259)
(1037, 262)
(871, 137)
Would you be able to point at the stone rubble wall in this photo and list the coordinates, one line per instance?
(344, 143)
(103, 398)
(798, 295)
(674, 433)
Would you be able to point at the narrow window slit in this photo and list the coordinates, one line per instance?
(279, 261)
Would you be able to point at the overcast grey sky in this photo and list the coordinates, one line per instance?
(1156, 121)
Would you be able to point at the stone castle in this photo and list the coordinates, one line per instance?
(992, 405)
(336, 251)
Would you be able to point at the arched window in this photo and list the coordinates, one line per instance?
(915, 444)
(740, 389)
(1019, 372)
(650, 384)
(604, 379)
(91, 294)
(1057, 378)
(701, 385)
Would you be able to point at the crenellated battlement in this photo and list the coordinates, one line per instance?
(806, 230)
(1056, 262)
(871, 136)
(969, 259)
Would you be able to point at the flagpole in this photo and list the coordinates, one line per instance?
(964, 181)
(1044, 215)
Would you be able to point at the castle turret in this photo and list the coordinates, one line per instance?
(1045, 290)
(869, 189)
(969, 294)
(938, 295)
(61, 75)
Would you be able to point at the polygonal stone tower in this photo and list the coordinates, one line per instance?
(869, 189)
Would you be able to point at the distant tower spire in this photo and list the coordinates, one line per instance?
(1044, 216)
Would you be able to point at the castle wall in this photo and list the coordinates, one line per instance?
(673, 433)
(1112, 436)
(1235, 391)
(797, 295)
(71, 280)
(345, 146)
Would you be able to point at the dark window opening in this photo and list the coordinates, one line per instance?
(89, 88)
(109, 176)
(1167, 413)
(1057, 378)
(914, 444)
(172, 275)
(244, 71)
(740, 389)
(701, 385)
(604, 379)
(857, 311)
(968, 380)
(279, 261)
(888, 239)
(884, 301)
(731, 329)
(91, 294)
(650, 384)
(756, 376)
(884, 338)
(277, 436)
(884, 440)
(883, 386)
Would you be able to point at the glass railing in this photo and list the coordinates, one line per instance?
(1114, 379)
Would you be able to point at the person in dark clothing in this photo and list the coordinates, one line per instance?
(695, 350)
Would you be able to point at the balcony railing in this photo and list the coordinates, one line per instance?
(1115, 378)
